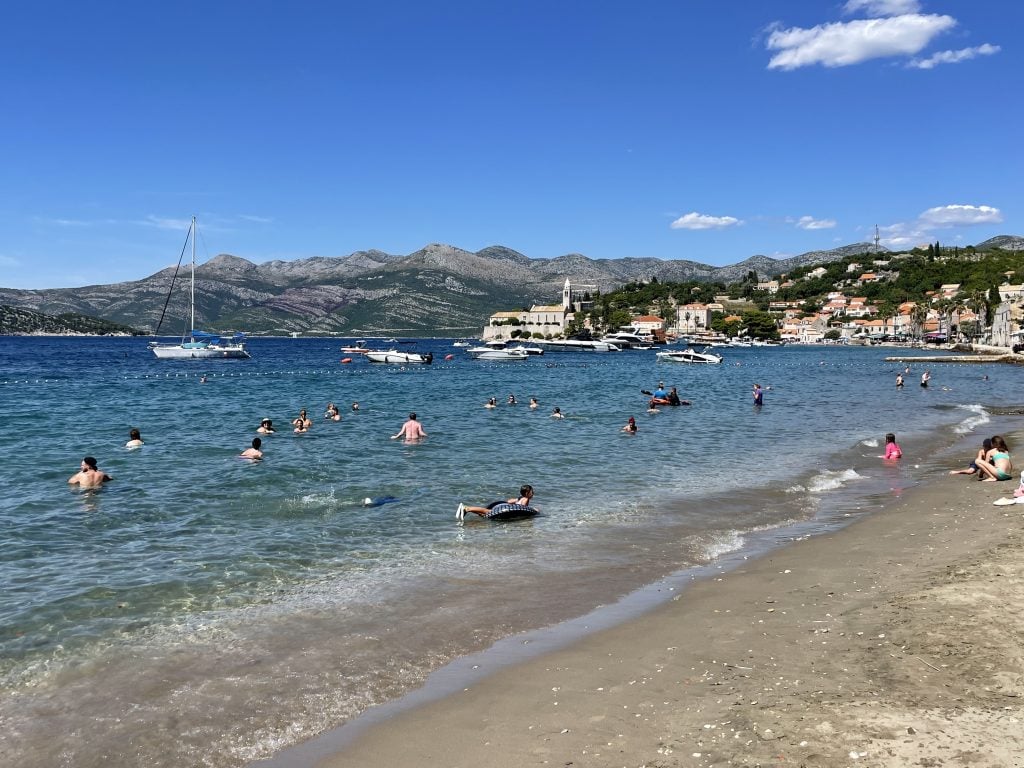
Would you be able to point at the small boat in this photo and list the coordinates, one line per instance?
(359, 348)
(401, 358)
(496, 350)
(689, 355)
(196, 344)
(462, 343)
(529, 350)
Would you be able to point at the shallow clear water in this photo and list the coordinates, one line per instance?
(205, 610)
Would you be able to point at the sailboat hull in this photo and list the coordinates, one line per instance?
(212, 351)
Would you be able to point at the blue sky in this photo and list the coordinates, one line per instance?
(691, 129)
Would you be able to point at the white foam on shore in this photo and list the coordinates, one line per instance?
(830, 480)
(978, 417)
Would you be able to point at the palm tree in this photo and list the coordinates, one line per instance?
(918, 316)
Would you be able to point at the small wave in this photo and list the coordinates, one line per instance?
(978, 417)
(829, 480)
(723, 544)
(871, 442)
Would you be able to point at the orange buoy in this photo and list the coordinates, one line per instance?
(346, 359)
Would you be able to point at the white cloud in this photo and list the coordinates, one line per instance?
(696, 220)
(882, 7)
(912, 233)
(256, 219)
(954, 57)
(841, 44)
(809, 222)
(161, 223)
(959, 216)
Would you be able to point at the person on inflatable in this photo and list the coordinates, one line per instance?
(525, 495)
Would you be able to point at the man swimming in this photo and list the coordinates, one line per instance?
(89, 476)
(411, 430)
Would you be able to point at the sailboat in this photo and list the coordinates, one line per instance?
(196, 344)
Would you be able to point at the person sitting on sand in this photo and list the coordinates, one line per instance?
(253, 452)
(89, 476)
(630, 426)
(266, 427)
(986, 446)
(411, 430)
(892, 449)
(997, 464)
(523, 500)
(134, 439)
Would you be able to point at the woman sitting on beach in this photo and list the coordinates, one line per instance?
(996, 465)
(986, 446)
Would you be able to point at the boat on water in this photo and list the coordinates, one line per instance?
(579, 345)
(629, 338)
(497, 350)
(395, 356)
(359, 348)
(689, 355)
(530, 350)
(462, 343)
(196, 344)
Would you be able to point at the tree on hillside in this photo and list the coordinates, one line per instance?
(760, 325)
(918, 317)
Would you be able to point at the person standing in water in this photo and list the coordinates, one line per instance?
(925, 378)
(134, 439)
(758, 395)
(89, 476)
(411, 430)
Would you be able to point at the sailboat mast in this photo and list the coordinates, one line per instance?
(192, 296)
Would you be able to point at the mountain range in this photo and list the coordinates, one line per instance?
(437, 289)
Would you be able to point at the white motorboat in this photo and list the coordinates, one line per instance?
(495, 352)
(359, 348)
(462, 343)
(401, 358)
(196, 344)
(689, 355)
(628, 338)
(529, 350)
(578, 345)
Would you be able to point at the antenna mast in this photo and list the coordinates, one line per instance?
(876, 237)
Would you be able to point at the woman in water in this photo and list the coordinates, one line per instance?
(997, 464)
(630, 426)
(134, 439)
(523, 500)
(266, 427)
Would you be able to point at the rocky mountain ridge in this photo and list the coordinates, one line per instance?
(439, 288)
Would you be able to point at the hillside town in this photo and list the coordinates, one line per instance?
(948, 314)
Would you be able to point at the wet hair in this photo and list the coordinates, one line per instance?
(986, 444)
(526, 490)
(134, 434)
(890, 437)
(413, 415)
(90, 462)
(256, 443)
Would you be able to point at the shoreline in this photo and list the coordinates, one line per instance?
(892, 639)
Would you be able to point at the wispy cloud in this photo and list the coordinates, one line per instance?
(841, 44)
(696, 220)
(256, 219)
(911, 233)
(954, 57)
(164, 223)
(876, 8)
(809, 222)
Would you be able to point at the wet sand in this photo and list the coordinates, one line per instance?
(895, 641)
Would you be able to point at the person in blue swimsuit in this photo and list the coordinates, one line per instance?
(523, 500)
(997, 464)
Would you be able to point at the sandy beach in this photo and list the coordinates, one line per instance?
(894, 641)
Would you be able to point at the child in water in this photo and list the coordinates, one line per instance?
(892, 450)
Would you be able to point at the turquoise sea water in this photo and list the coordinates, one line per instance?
(205, 610)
